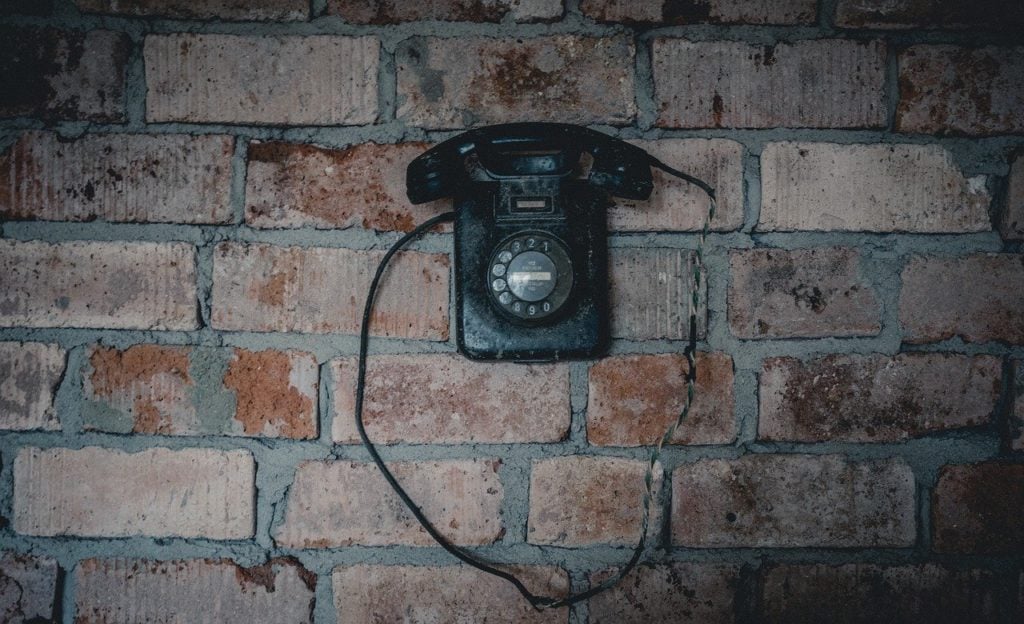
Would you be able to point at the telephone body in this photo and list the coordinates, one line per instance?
(531, 277)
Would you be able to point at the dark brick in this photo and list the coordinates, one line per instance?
(977, 509)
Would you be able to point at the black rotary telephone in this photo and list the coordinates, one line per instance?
(531, 277)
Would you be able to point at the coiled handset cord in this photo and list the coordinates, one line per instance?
(540, 602)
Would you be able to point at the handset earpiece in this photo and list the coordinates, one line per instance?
(622, 169)
(433, 174)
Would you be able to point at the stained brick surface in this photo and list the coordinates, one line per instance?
(650, 294)
(906, 14)
(716, 11)
(677, 592)
(28, 588)
(1011, 224)
(201, 9)
(29, 375)
(385, 12)
(1015, 423)
(976, 509)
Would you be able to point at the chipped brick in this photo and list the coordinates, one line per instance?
(28, 588)
(976, 509)
(29, 375)
(276, 392)
(650, 294)
(676, 592)
(1011, 222)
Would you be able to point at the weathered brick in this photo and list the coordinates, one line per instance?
(98, 284)
(453, 83)
(650, 294)
(387, 12)
(455, 400)
(290, 185)
(676, 205)
(947, 89)
(976, 509)
(715, 11)
(98, 492)
(1015, 426)
(29, 375)
(173, 390)
(875, 398)
(201, 9)
(805, 293)
(675, 592)
(313, 80)
(117, 177)
(136, 591)
(1011, 223)
(264, 288)
(28, 588)
(63, 74)
(633, 398)
(575, 501)
(344, 503)
(793, 501)
(873, 188)
(825, 83)
(860, 593)
(422, 594)
(977, 298)
(992, 14)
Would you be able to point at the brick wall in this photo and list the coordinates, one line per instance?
(193, 195)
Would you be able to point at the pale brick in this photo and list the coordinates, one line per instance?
(677, 592)
(793, 501)
(808, 84)
(976, 509)
(29, 375)
(977, 298)
(290, 185)
(714, 11)
(139, 591)
(28, 588)
(63, 74)
(906, 14)
(676, 205)
(454, 83)
(428, 594)
(947, 89)
(860, 593)
(201, 9)
(650, 294)
(174, 390)
(97, 492)
(634, 398)
(1011, 223)
(98, 284)
(312, 80)
(117, 177)
(1015, 425)
(388, 12)
(577, 501)
(452, 400)
(872, 188)
(344, 503)
(264, 288)
(875, 398)
(803, 293)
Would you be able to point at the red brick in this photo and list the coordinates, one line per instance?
(650, 294)
(117, 177)
(392, 593)
(576, 501)
(29, 375)
(387, 12)
(947, 89)
(1011, 223)
(275, 393)
(793, 501)
(258, 287)
(1015, 428)
(454, 83)
(313, 80)
(678, 206)
(974, 297)
(98, 284)
(906, 14)
(447, 399)
(97, 492)
(808, 84)
(201, 9)
(633, 398)
(714, 11)
(135, 591)
(676, 592)
(28, 588)
(290, 185)
(976, 509)
(63, 74)
(860, 593)
(804, 293)
(875, 398)
(344, 503)
(869, 188)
